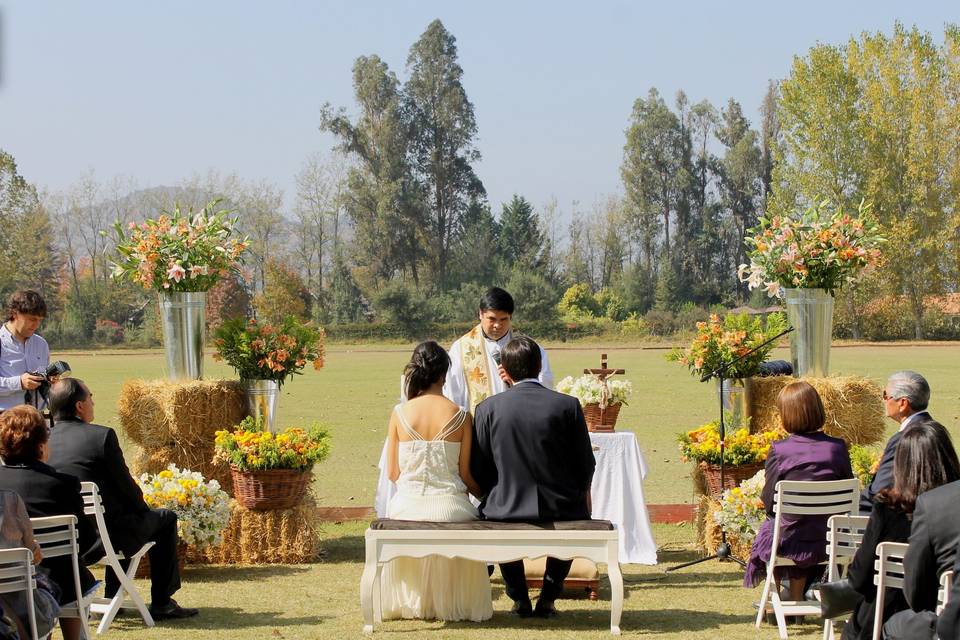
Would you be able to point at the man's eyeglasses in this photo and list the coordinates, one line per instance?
(887, 396)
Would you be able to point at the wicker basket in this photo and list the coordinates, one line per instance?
(603, 420)
(732, 476)
(270, 489)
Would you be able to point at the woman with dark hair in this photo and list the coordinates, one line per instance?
(925, 459)
(428, 457)
(45, 492)
(807, 454)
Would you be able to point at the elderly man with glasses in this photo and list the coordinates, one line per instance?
(905, 400)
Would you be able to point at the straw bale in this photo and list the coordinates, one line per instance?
(851, 403)
(155, 413)
(709, 534)
(193, 458)
(283, 536)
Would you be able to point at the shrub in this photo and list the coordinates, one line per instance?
(578, 302)
(888, 318)
(611, 304)
(660, 322)
(107, 332)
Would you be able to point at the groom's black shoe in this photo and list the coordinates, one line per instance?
(522, 608)
(545, 609)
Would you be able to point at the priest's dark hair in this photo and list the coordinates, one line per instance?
(64, 396)
(428, 364)
(496, 299)
(521, 358)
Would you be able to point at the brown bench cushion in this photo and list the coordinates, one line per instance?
(385, 524)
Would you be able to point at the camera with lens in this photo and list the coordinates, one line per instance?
(42, 393)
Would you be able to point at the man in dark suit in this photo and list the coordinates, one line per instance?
(533, 460)
(92, 453)
(934, 536)
(948, 626)
(905, 400)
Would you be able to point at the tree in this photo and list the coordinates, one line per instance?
(443, 132)
(479, 257)
(769, 138)
(284, 293)
(521, 239)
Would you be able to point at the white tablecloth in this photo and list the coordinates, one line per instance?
(617, 493)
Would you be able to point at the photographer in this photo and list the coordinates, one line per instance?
(22, 351)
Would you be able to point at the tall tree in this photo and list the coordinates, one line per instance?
(443, 130)
(521, 239)
(769, 138)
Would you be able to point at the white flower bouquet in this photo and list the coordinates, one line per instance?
(741, 509)
(588, 389)
(202, 507)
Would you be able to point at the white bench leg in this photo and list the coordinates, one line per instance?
(368, 581)
(616, 587)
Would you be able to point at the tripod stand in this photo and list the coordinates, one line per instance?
(723, 553)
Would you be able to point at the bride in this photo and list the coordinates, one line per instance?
(428, 457)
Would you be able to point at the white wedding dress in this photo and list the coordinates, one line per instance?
(429, 488)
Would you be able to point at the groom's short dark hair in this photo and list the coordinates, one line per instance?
(521, 358)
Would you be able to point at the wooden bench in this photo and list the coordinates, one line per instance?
(488, 541)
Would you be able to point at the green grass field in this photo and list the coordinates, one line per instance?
(354, 393)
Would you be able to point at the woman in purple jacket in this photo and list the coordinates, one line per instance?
(808, 454)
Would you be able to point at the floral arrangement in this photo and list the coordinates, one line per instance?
(741, 509)
(267, 351)
(179, 251)
(865, 462)
(817, 249)
(741, 446)
(202, 508)
(719, 342)
(250, 448)
(589, 389)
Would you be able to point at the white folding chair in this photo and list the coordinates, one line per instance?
(844, 535)
(57, 536)
(802, 498)
(93, 506)
(888, 573)
(943, 596)
(16, 574)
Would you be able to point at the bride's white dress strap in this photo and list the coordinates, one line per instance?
(452, 425)
(406, 425)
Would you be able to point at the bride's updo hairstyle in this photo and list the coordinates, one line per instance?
(428, 364)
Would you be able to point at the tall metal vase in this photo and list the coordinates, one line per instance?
(184, 316)
(262, 396)
(810, 312)
(736, 394)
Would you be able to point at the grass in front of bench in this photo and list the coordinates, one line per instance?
(322, 601)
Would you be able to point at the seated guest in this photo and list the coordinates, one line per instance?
(925, 460)
(948, 625)
(807, 454)
(905, 400)
(934, 536)
(92, 453)
(533, 461)
(45, 492)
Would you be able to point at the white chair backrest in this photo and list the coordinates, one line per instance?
(943, 596)
(57, 535)
(17, 574)
(844, 536)
(888, 573)
(814, 498)
(93, 506)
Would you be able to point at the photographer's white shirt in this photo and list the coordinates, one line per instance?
(16, 359)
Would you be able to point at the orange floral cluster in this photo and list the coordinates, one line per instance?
(269, 352)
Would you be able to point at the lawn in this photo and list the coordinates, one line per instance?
(354, 393)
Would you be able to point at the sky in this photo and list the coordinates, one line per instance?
(159, 91)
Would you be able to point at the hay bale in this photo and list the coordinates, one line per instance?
(851, 403)
(193, 458)
(156, 413)
(284, 536)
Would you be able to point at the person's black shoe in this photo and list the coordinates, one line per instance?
(172, 611)
(545, 609)
(522, 609)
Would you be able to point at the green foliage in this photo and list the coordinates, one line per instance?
(578, 302)
(284, 293)
(864, 461)
(401, 304)
(611, 304)
(535, 297)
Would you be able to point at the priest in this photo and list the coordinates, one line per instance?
(475, 372)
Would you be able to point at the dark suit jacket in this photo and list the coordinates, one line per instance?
(47, 492)
(92, 453)
(948, 627)
(532, 455)
(933, 545)
(884, 477)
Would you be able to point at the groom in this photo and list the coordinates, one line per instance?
(533, 461)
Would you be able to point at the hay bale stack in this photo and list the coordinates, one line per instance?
(851, 403)
(160, 413)
(709, 534)
(194, 458)
(283, 536)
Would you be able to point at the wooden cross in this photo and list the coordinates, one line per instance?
(603, 372)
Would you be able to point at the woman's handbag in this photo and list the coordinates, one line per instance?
(837, 598)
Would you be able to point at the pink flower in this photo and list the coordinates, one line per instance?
(132, 226)
(176, 273)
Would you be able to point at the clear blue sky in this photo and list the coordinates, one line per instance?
(160, 90)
